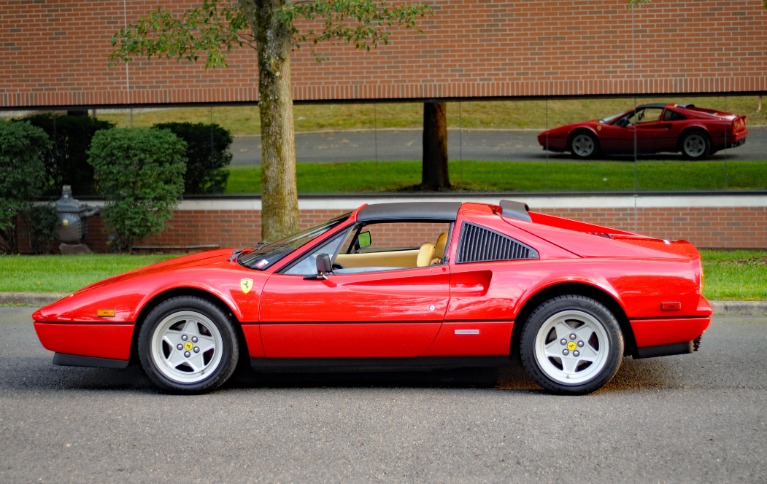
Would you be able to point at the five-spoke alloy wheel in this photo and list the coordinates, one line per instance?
(695, 145)
(571, 345)
(584, 145)
(187, 345)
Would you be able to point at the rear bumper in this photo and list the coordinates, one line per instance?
(730, 141)
(738, 143)
(650, 333)
(668, 350)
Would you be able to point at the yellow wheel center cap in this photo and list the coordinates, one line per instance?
(571, 346)
(188, 346)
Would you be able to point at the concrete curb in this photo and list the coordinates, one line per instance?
(37, 299)
(740, 308)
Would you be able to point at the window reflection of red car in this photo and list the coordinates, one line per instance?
(651, 128)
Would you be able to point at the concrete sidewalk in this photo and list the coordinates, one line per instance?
(742, 308)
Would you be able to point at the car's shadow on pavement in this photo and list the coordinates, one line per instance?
(633, 375)
(564, 157)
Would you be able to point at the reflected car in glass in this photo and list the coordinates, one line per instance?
(650, 128)
(424, 285)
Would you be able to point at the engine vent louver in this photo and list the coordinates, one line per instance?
(479, 244)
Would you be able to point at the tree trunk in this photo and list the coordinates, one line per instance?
(435, 172)
(279, 192)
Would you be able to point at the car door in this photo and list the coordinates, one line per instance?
(653, 132)
(616, 139)
(357, 312)
(638, 131)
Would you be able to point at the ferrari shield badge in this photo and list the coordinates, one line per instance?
(246, 285)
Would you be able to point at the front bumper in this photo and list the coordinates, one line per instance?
(95, 340)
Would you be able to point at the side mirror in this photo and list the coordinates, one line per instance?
(324, 266)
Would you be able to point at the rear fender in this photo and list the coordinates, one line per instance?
(604, 296)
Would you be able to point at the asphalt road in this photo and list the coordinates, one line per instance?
(689, 418)
(488, 145)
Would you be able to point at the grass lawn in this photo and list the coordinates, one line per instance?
(244, 120)
(729, 275)
(482, 176)
(735, 275)
(55, 273)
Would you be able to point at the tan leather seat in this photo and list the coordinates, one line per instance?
(425, 255)
(439, 249)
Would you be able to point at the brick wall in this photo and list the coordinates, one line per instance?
(54, 53)
(708, 221)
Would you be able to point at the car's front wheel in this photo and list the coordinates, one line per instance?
(188, 345)
(584, 145)
(695, 145)
(571, 345)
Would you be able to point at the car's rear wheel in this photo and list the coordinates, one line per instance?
(188, 345)
(571, 345)
(584, 145)
(695, 145)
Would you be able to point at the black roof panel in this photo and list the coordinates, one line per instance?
(410, 211)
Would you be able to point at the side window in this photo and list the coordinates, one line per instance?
(647, 115)
(670, 115)
(480, 244)
(392, 236)
(384, 246)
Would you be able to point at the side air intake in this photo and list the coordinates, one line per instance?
(479, 244)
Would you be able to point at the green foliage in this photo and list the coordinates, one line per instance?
(638, 3)
(207, 153)
(41, 227)
(361, 23)
(210, 28)
(213, 29)
(23, 150)
(68, 163)
(140, 173)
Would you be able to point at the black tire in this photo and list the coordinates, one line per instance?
(187, 345)
(584, 144)
(695, 145)
(571, 345)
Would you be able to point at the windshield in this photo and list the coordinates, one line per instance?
(266, 255)
(609, 119)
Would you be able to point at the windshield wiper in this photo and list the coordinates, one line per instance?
(235, 254)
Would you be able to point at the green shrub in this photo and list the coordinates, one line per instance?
(140, 173)
(207, 153)
(41, 226)
(68, 163)
(23, 150)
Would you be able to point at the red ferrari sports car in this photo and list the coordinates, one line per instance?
(400, 284)
(651, 128)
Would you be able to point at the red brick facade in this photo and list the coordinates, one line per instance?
(54, 53)
(714, 221)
